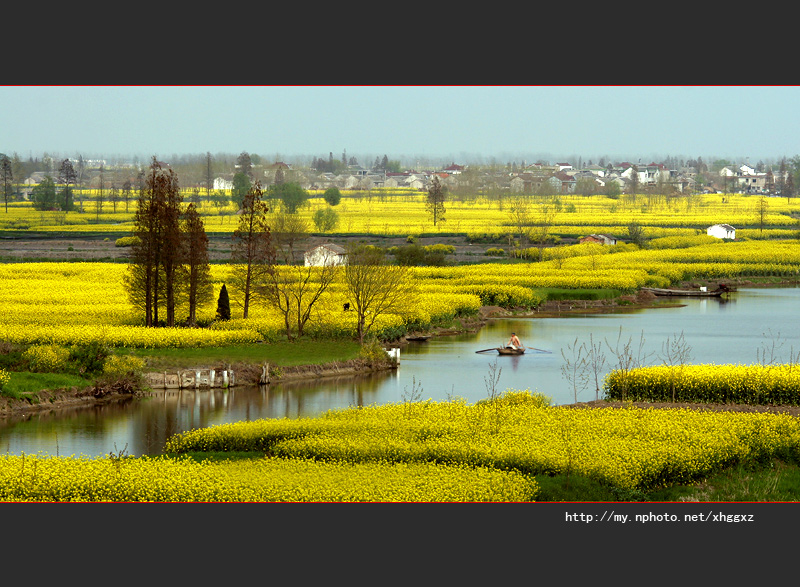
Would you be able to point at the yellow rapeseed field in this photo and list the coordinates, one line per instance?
(627, 448)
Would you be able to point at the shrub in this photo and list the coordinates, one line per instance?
(415, 255)
(495, 252)
(46, 358)
(88, 359)
(372, 351)
(4, 378)
(440, 248)
(127, 241)
(123, 366)
(517, 397)
(332, 196)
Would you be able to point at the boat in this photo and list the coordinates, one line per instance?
(695, 293)
(418, 337)
(507, 350)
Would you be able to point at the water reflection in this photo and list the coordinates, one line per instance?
(717, 331)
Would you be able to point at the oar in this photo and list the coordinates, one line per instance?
(486, 350)
(540, 350)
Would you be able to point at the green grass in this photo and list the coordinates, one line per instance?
(23, 382)
(554, 294)
(281, 354)
(773, 482)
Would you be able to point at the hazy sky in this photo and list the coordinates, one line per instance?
(460, 123)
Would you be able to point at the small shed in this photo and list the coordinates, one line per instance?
(326, 254)
(722, 231)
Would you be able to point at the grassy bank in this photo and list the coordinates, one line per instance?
(22, 383)
(280, 354)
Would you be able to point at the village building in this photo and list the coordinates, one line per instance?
(325, 254)
(722, 231)
(600, 239)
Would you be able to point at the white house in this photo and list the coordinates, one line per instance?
(600, 239)
(326, 254)
(220, 183)
(722, 231)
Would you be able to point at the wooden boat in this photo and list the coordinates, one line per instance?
(418, 337)
(507, 350)
(695, 293)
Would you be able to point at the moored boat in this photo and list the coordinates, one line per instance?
(688, 292)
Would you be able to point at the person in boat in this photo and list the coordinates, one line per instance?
(514, 342)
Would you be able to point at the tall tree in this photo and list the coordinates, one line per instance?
(245, 164)
(6, 176)
(241, 186)
(374, 287)
(154, 257)
(194, 258)
(126, 193)
(252, 247)
(98, 203)
(67, 176)
(80, 174)
(435, 201)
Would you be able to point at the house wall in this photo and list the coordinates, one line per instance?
(721, 232)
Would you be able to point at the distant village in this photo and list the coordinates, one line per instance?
(538, 178)
(559, 178)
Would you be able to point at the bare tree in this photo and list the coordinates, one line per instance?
(762, 207)
(252, 249)
(628, 357)
(597, 360)
(126, 193)
(374, 287)
(294, 289)
(288, 232)
(675, 352)
(520, 215)
(576, 367)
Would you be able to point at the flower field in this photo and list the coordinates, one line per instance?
(736, 384)
(124, 479)
(398, 213)
(75, 303)
(626, 448)
(421, 451)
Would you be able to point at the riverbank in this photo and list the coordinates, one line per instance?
(245, 373)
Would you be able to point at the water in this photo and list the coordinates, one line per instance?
(753, 322)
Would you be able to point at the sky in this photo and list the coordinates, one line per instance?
(462, 124)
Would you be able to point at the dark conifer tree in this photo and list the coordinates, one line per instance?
(223, 304)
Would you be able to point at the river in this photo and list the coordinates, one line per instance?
(753, 323)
